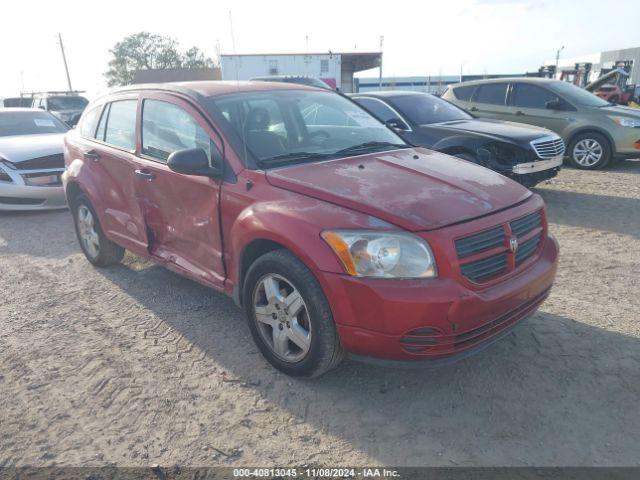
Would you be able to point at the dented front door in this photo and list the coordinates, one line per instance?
(180, 211)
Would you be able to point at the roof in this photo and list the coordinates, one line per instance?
(507, 79)
(199, 90)
(389, 93)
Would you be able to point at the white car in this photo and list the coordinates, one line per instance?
(31, 160)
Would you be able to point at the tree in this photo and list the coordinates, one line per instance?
(144, 50)
(194, 58)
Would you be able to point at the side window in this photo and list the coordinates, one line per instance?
(90, 122)
(531, 96)
(378, 108)
(492, 93)
(464, 93)
(121, 124)
(167, 128)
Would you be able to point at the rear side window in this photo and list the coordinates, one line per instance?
(167, 128)
(90, 122)
(378, 108)
(492, 93)
(532, 96)
(120, 128)
(464, 93)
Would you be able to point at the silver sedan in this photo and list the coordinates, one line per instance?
(31, 160)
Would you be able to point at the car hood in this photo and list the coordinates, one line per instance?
(19, 148)
(416, 189)
(493, 129)
(621, 110)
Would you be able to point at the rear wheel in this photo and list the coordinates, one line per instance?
(98, 249)
(289, 316)
(590, 151)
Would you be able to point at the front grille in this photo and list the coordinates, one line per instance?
(480, 241)
(50, 161)
(548, 147)
(491, 252)
(527, 249)
(485, 268)
(524, 225)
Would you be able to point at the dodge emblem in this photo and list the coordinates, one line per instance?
(513, 245)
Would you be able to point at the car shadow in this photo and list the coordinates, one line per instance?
(39, 236)
(593, 211)
(553, 385)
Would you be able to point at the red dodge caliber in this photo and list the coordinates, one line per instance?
(333, 234)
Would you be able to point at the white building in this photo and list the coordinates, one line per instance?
(336, 69)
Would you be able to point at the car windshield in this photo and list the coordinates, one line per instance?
(578, 95)
(292, 126)
(424, 109)
(66, 103)
(29, 123)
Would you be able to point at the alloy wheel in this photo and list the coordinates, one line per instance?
(587, 152)
(87, 231)
(282, 318)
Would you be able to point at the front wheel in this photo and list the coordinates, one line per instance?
(289, 316)
(98, 249)
(590, 151)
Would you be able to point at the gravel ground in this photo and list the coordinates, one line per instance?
(135, 365)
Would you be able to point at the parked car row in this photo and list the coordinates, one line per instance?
(66, 106)
(325, 216)
(594, 130)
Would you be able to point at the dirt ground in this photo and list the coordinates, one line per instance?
(135, 365)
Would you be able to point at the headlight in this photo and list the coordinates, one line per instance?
(381, 254)
(626, 122)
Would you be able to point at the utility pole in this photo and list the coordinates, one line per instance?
(558, 57)
(380, 77)
(64, 59)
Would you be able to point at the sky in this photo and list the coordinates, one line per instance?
(420, 38)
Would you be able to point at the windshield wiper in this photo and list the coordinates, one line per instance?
(293, 157)
(371, 146)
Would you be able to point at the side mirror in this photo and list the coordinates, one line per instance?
(41, 107)
(553, 105)
(396, 124)
(193, 161)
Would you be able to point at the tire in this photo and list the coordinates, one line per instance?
(590, 151)
(101, 251)
(269, 320)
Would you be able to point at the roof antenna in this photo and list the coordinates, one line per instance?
(235, 64)
(233, 46)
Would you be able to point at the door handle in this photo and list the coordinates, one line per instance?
(91, 155)
(519, 113)
(146, 175)
(473, 109)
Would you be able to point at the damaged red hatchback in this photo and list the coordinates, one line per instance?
(332, 233)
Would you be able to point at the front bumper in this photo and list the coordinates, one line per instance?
(537, 166)
(627, 142)
(17, 195)
(375, 317)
